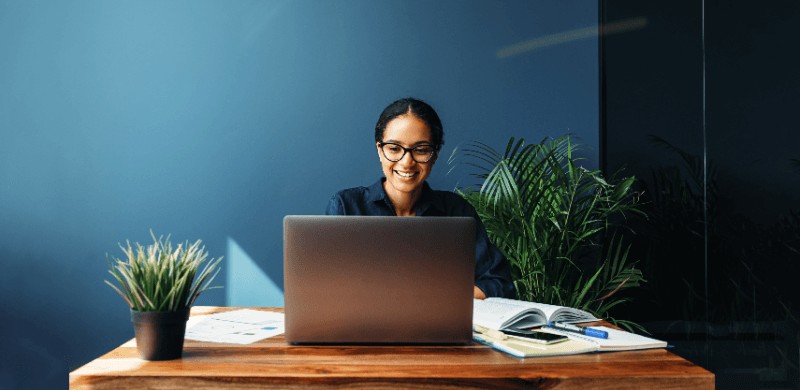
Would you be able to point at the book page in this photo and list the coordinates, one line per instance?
(551, 312)
(496, 314)
(622, 340)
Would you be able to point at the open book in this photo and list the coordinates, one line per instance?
(502, 313)
(618, 340)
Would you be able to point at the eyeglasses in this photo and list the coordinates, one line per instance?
(394, 152)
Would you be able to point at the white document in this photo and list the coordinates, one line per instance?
(236, 327)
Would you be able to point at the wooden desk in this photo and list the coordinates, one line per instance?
(271, 363)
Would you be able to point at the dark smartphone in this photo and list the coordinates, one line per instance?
(538, 337)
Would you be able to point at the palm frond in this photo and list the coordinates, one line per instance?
(546, 212)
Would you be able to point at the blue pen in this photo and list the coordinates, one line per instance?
(600, 334)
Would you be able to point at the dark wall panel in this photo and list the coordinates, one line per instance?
(701, 106)
(653, 97)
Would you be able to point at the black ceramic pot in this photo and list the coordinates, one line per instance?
(159, 334)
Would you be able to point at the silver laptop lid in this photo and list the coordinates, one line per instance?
(358, 279)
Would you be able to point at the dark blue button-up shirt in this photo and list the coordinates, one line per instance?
(492, 273)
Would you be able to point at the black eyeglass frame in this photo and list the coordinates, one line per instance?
(406, 150)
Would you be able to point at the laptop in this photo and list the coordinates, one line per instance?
(378, 280)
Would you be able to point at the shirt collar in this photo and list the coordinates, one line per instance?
(428, 199)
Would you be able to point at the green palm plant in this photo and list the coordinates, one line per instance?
(159, 277)
(550, 216)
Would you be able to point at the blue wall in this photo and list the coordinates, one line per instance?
(214, 119)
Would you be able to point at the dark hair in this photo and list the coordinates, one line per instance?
(415, 107)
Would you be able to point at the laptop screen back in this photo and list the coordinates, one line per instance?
(362, 280)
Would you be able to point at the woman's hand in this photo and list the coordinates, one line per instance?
(478, 293)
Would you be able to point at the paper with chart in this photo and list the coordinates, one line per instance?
(236, 327)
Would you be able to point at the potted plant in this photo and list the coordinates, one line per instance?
(556, 223)
(160, 283)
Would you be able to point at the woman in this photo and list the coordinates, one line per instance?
(408, 137)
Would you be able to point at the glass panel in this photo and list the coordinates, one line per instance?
(699, 105)
(754, 208)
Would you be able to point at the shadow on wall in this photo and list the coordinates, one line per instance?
(247, 284)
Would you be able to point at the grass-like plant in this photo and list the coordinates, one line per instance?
(555, 222)
(159, 277)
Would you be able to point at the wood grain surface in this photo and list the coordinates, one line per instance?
(274, 364)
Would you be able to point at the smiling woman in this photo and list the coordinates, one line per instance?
(408, 137)
(406, 172)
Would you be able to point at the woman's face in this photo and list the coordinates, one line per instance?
(406, 175)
